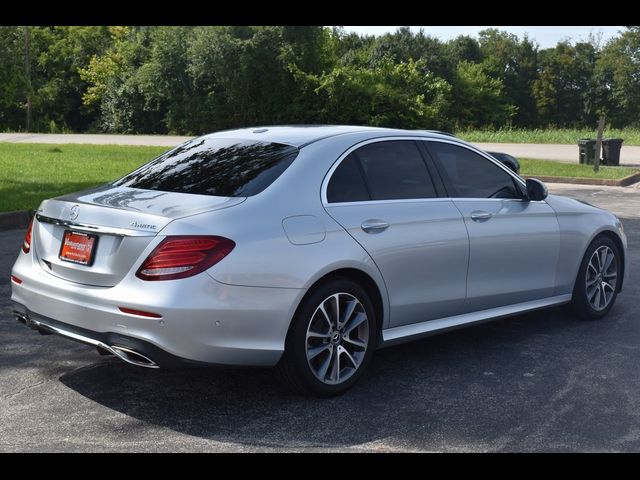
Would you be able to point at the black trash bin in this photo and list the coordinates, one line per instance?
(587, 151)
(611, 151)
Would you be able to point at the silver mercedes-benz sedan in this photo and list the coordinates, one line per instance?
(307, 248)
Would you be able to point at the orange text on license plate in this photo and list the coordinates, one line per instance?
(77, 248)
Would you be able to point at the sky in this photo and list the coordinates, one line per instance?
(545, 36)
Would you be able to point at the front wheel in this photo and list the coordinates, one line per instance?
(597, 283)
(331, 339)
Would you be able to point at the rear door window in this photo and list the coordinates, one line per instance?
(218, 166)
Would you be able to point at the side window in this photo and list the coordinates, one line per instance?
(347, 183)
(395, 170)
(470, 175)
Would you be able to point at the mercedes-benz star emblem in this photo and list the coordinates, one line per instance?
(73, 213)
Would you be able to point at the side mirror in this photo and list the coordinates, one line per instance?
(536, 190)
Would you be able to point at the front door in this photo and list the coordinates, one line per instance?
(514, 243)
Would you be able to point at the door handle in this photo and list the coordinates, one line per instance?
(374, 226)
(480, 215)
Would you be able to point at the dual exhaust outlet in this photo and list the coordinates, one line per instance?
(126, 354)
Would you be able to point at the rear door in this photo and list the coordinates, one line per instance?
(383, 194)
(514, 243)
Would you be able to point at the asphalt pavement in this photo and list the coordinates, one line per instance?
(543, 381)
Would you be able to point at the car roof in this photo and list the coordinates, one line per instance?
(302, 135)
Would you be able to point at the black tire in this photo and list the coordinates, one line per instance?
(580, 304)
(294, 370)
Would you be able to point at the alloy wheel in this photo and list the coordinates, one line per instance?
(601, 278)
(337, 338)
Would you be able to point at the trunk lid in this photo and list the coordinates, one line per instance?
(124, 220)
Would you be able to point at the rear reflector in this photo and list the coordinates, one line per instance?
(26, 244)
(140, 313)
(184, 256)
(15, 279)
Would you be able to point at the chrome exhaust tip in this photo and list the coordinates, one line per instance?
(133, 357)
(123, 353)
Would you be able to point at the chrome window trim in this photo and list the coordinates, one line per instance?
(336, 164)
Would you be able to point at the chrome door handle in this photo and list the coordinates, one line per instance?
(374, 226)
(479, 215)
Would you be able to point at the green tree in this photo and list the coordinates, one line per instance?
(479, 100)
(12, 78)
(514, 62)
(390, 95)
(618, 72)
(563, 90)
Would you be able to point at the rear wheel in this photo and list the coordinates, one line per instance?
(331, 339)
(596, 286)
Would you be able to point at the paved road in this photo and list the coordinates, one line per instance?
(537, 382)
(95, 139)
(630, 155)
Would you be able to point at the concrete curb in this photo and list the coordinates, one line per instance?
(621, 182)
(12, 220)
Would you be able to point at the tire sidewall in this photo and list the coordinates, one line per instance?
(296, 339)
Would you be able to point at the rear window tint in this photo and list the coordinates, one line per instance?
(219, 166)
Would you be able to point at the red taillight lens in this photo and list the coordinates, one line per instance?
(184, 256)
(26, 244)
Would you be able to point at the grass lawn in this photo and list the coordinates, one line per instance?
(530, 167)
(631, 136)
(30, 173)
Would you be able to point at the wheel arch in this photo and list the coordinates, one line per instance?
(615, 238)
(366, 281)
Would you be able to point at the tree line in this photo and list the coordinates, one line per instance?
(192, 80)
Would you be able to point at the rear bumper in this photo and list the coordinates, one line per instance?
(202, 321)
(131, 350)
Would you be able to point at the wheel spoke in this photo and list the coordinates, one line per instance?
(355, 342)
(351, 306)
(322, 371)
(357, 321)
(335, 367)
(326, 315)
(591, 282)
(314, 352)
(602, 252)
(336, 299)
(596, 300)
(607, 285)
(351, 359)
(608, 261)
(311, 334)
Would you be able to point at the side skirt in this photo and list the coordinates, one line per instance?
(405, 333)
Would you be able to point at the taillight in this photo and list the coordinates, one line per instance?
(184, 256)
(26, 244)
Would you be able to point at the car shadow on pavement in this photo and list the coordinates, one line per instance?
(491, 383)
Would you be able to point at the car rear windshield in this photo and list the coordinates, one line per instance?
(218, 166)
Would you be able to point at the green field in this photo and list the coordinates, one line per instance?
(530, 167)
(631, 136)
(30, 173)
